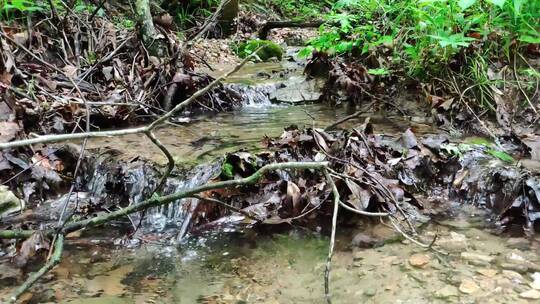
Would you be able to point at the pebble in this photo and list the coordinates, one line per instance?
(468, 286)
(530, 294)
(490, 273)
(419, 260)
(476, 258)
(446, 292)
(512, 276)
(370, 292)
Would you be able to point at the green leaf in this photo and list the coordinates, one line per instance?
(227, 170)
(529, 39)
(499, 3)
(518, 4)
(532, 72)
(305, 52)
(501, 155)
(465, 4)
(380, 71)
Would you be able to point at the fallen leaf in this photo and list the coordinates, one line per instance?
(8, 130)
(294, 196)
(359, 197)
(409, 139)
(30, 247)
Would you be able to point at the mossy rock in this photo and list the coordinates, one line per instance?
(268, 49)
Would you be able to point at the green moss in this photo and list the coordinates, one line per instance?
(268, 49)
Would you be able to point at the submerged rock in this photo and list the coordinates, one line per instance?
(468, 286)
(530, 294)
(298, 90)
(476, 258)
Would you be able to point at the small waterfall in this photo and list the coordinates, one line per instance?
(178, 214)
(254, 95)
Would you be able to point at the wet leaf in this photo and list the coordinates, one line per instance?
(501, 155)
(227, 170)
(294, 196)
(30, 247)
(319, 139)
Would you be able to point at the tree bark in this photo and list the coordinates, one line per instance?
(152, 39)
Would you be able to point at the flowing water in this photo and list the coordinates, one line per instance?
(233, 266)
(240, 267)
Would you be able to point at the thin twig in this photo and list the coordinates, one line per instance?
(332, 237)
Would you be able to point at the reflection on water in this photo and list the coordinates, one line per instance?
(210, 136)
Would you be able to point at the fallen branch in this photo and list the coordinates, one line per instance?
(53, 261)
(158, 201)
(263, 32)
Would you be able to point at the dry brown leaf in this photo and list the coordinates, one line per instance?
(8, 130)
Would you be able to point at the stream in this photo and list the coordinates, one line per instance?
(240, 267)
(371, 264)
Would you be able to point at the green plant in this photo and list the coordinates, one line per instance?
(10, 8)
(265, 49)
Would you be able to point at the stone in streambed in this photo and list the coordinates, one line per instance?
(419, 260)
(447, 292)
(300, 90)
(476, 258)
(530, 294)
(468, 286)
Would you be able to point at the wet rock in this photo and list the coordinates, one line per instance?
(516, 261)
(9, 203)
(518, 243)
(363, 240)
(468, 286)
(419, 260)
(515, 267)
(455, 242)
(9, 275)
(530, 294)
(489, 273)
(298, 90)
(447, 292)
(476, 258)
(513, 276)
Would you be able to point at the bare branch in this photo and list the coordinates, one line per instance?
(53, 261)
